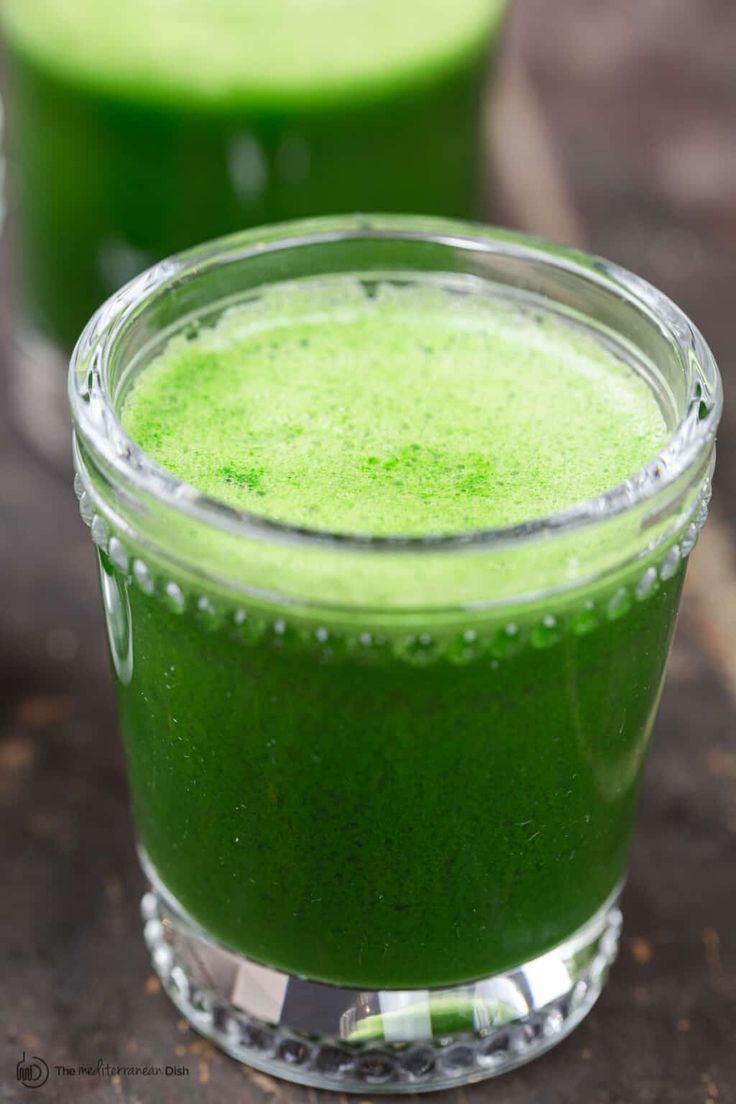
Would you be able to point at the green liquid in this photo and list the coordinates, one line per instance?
(362, 807)
(406, 410)
(137, 137)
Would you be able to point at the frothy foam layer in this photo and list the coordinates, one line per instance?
(393, 410)
(213, 50)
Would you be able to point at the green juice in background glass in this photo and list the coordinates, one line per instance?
(386, 706)
(138, 132)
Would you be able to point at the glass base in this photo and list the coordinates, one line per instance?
(391, 1041)
(41, 406)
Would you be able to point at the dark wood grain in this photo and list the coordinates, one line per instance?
(630, 147)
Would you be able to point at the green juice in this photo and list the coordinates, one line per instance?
(138, 133)
(406, 802)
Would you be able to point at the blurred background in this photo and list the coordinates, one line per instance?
(608, 126)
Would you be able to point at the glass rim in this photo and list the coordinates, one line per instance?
(97, 423)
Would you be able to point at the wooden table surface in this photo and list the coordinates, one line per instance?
(615, 126)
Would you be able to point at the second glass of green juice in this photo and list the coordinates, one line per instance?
(393, 517)
(138, 133)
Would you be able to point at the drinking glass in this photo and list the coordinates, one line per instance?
(138, 134)
(384, 788)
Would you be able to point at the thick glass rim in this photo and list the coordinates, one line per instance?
(100, 429)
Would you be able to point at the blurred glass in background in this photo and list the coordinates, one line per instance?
(139, 129)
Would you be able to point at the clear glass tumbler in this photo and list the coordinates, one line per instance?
(386, 825)
(134, 137)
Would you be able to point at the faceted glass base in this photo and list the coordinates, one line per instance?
(390, 1041)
